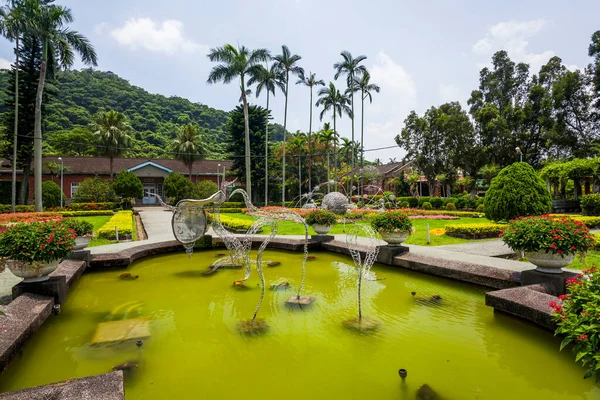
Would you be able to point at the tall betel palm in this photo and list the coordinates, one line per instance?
(239, 63)
(298, 145)
(365, 87)
(287, 63)
(189, 145)
(333, 100)
(268, 79)
(351, 67)
(111, 130)
(310, 81)
(328, 137)
(59, 43)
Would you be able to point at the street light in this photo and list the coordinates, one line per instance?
(520, 153)
(61, 181)
(218, 176)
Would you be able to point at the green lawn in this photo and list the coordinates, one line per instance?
(98, 222)
(592, 258)
(418, 237)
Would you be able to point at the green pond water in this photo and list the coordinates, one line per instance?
(457, 345)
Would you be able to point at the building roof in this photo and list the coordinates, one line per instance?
(101, 165)
(390, 169)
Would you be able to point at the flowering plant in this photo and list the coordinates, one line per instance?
(6, 219)
(37, 241)
(578, 319)
(81, 227)
(321, 217)
(391, 221)
(557, 235)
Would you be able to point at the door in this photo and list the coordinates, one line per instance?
(149, 193)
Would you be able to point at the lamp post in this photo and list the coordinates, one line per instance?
(61, 181)
(223, 181)
(218, 176)
(520, 153)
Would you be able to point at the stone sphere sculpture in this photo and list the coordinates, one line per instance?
(335, 202)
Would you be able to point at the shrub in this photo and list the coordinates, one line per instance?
(94, 190)
(404, 204)
(590, 204)
(320, 217)
(450, 207)
(437, 202)
(91, 206)
(51, 194)
(203, 189)
(590, 222)
(426, 206)
(413, 202)
(517, 191)
(479, 208)
(90, 213)
(556, 235)
(177, 187)
(122, 220)
(578, 320)
(239, 197)
(37, 241)
(391, 221)
(237, 224)
(474, 231)
(80, 227)
(128, 185)
(233, 204)
(424, 199)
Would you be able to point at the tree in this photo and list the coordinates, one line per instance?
(58, 44)
(268, 79)
(51, 194)
(94, 190)
(111, 130)
(351, 67)
(288, 63)
(176, 187)
(189, 145)
(203, 189)
(242, 63)
(298, 145)
(365, 87)
(332, 100)
(328, 137)
(127, 185)
(310, 81)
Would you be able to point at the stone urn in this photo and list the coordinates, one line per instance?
(321, 229)
(549, 263)
(32, 271)
(395, 238)
(81, 242)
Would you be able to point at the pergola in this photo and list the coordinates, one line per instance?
(585, 174)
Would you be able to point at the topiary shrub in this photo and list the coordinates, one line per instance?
(517, 191)
(51, 194)
(413, 202)
(426, 206)
(404, 204)
(450, 207)
(590, 204)
(424, 199)
(437, 202)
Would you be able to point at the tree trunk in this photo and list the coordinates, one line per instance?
(247, 143)
(328, 171)
(37, 137)
(362, 130)
(267, 155)
(310, 143)
(287, 79)
(334, 147)
(352, 118)
(24, 192)
(13, 200)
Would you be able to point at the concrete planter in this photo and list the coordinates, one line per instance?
(321, 229)
(81, 242)
(394, 238)
(36, 271)
(549, 263)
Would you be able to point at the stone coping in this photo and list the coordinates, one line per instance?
(98, 387)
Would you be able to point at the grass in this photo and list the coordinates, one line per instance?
(419, 237)
(98, 222)
(592, 258)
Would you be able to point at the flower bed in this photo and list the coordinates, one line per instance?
(578, 320)
(123, 220)
(474, 231)
(446, 217)
(91, 206)
(37, 241)
(6, 219)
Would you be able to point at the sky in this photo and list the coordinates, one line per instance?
(421, 53)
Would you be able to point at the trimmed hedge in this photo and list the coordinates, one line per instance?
(235, 224)
(6, 208)
(474, 231)
(590, 204)
(123, 220)
(84, 213)
(92, 206)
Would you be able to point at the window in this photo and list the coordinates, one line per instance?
(74, 187)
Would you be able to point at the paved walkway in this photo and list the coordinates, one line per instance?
(490, 248)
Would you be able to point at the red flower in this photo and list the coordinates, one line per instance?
(571, 281)
(573, 248)
(582, 337)
(552, 304)
(559, 251)
(562, 297)
(558, 309)
(553, 246)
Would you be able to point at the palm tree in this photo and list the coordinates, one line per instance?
(110, 129)
(328, 137)
(268, 79)
(298, 145)
(310, 81)
(189, 145)
(332, 100)
(287, 63)
(350, 66)
(58, 44)
(365, 87)
(347, 148)
(241, 62)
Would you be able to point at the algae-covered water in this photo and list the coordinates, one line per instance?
(456, 345)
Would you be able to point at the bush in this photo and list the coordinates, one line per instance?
(474, 231)
(239, 197)
(437, 202)
(233, 204)
(321, 217)
(424, 199)
(517, 191)
(236, 224)
(578, 320)
(123, 220)
(128, 185)
(479, 208)
(177, 187)
(426, 206)
(203, 189)
(91, 206)
(450, 207)
(51, 194)
(94, 190)
(37, 241)
(80, 227)
(404, 204)
(590, 204)
(590, 222)
(391, 221)
(90, 213)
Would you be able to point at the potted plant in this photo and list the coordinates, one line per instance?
(394, 226)
(321, 221)
(550, 243)
(83, 230)
(33, 250)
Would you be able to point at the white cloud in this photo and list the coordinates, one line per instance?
(449, 93)
(512, 37)
(166, 37)
(5, 64)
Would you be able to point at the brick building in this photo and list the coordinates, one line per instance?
(152, 172)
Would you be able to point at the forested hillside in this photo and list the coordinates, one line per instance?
(75, 96)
